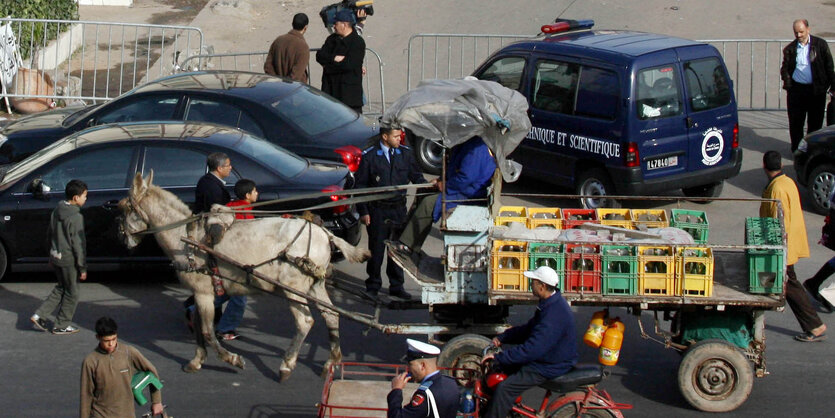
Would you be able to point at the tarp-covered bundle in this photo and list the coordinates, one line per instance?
(453, 111)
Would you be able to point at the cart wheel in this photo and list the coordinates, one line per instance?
(464, 352)
(566, 406)
(715, 376)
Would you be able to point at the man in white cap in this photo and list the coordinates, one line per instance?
(437, 395)
(547, 344)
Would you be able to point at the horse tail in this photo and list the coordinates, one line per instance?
(352, 253)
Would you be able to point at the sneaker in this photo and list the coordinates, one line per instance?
(40, 324)
(69, 329)
(400, 293)
(227, 336)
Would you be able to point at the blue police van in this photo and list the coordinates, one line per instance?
(622, 113)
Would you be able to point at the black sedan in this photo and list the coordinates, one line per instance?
(296, 116)
(107, 157)
(814, 162)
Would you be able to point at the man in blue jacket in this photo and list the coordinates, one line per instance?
(469, 173)
(547, 344)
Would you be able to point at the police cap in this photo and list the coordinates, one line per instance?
(418, 350)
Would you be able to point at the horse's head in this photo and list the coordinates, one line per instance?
(134, 219)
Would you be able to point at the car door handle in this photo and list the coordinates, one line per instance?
(111, 204)
(691, 123)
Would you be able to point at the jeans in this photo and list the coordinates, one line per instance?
(63, 297)
(233, 314)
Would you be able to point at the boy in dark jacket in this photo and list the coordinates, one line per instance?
(67, 255)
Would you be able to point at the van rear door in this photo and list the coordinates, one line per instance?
(659, 125)
(710, 105)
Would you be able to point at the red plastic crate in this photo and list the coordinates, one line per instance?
(582, 270)
(567, 223)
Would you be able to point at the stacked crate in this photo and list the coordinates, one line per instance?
(510, 261)
(694, 222)
(615, 217)
(656, 267)
(547, 254)
(649, 218)
(508, 214)
(765, 267)
(582, 268)
(544, 218)
(694, 268)
(572, 218)
(620, 269)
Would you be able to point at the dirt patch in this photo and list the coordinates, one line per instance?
(186, 10)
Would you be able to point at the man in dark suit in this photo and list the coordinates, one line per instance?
(341, 57)
(211, 189)
(386, 163)
(807, 74)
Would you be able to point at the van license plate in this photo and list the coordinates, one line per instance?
(662, 163)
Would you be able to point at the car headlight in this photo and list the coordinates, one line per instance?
(803, 146)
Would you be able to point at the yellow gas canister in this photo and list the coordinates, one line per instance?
(612, 341)
(597, 326)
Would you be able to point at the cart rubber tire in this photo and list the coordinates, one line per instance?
(566, 406)
(715, 376)
(595, 182)
(463, 351)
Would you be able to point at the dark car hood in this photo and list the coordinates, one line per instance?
(42, 121)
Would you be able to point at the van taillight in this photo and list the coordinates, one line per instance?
(632, 157)
(335, 198)
(351, 156)
(735, 142)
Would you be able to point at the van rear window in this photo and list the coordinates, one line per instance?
(658, 93)
(707, 84)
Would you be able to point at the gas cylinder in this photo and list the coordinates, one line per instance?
(612, 340)
(597, 326)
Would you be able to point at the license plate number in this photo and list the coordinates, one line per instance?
(662, 163)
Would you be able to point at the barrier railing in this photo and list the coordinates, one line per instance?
(254, 61)
(96, 60)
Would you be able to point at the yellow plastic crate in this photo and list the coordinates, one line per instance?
(514, 214)
(541, 217)
(638, 215)
(656, 270)
(694, 272)
(510, 260)
(626, 222)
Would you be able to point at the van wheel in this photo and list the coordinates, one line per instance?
(429, 155)
(707, 190)
(596, 185)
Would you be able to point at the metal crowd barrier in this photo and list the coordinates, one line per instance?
(254, 61)
(96, 60)
(754, 64)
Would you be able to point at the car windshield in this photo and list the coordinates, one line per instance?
(285, 162)
(312, 111)
(80, 114)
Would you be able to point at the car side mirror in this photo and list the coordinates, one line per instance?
(91, 122)
(39, 189)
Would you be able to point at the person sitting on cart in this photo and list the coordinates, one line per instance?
(547, 344)
(437, 395)
(470, 172)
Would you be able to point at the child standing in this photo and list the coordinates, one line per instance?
(67, 255)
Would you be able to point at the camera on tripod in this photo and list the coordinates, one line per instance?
(328, 13)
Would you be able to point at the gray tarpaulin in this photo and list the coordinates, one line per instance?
(452, 111)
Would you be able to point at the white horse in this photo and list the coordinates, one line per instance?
(249, 242)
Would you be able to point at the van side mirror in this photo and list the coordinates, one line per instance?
(39, 189)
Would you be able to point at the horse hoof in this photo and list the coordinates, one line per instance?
(189, 368)
(285, 374)
(239, 362)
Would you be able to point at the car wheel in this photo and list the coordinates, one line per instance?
(706, 190)
(429, 154)
(4, 262)
(820, 185)
(595, 184)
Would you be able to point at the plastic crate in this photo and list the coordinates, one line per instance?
(620, 269)
(513, 214)
(510, 260)
(659, 215)
(763, 231)
(656, 270)
(624, 215)
(582, 269)
(694, 269)
(694, 222)
(765, 271)
(588, 215)
(544, 218)
(547, 254)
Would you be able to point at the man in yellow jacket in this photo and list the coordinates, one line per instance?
(782, 188)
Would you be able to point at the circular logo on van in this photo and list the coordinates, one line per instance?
(712, 146)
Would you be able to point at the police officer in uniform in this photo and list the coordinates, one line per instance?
(386, 163)
(437, 395)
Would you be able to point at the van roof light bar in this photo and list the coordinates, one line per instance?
(565, 25)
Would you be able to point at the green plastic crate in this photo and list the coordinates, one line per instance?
(697, 230)
(765, 271)
(547, 254)
(763, 231)
(620, 271)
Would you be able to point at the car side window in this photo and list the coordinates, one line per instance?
(658, 93)
(223, 114)
(105, 168)
(555, 86)
(707, 84)
(505, 71)
(146, 108)
(174, 166)
(597, 94)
